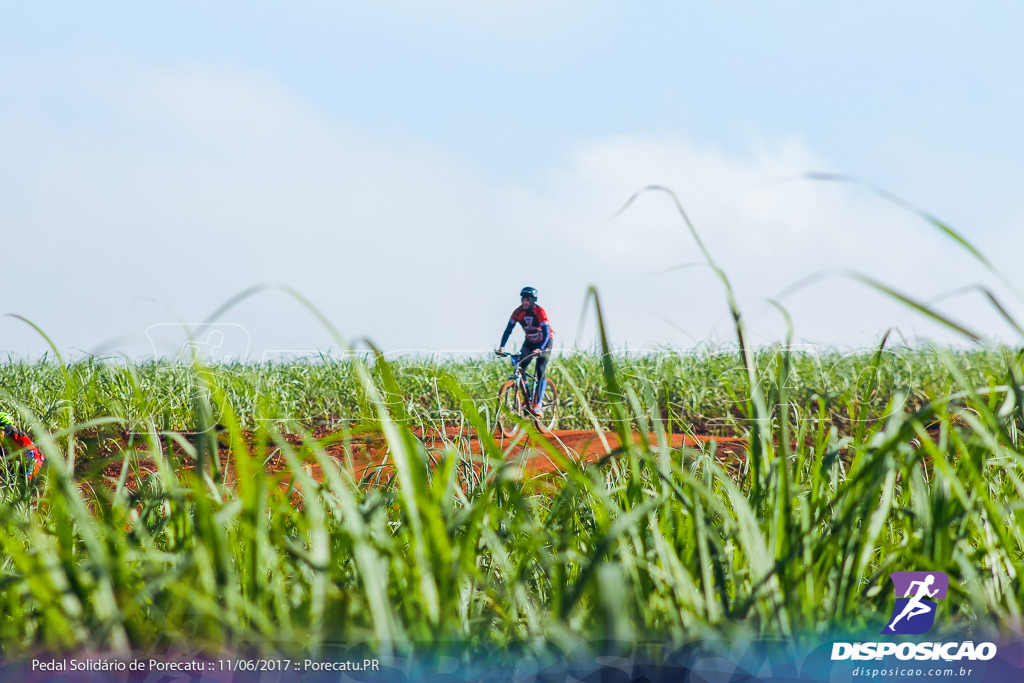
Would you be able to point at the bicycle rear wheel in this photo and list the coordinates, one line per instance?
(511, 408)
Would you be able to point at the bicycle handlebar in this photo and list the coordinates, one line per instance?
(504, 354)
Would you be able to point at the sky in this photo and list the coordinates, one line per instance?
(396, 171)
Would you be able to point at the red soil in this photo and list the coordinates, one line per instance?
(370, 455)
(531, 456)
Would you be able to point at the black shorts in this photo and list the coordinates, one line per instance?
(542, 357)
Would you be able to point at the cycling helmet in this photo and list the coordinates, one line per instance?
(6, 425)
(530, 292)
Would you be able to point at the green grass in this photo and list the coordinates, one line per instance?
(889, 467)
(702, 390)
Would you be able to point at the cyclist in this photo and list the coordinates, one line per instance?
(13, 439)
(539, 336)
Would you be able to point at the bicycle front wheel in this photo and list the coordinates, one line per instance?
(511, 406)
(549, 408)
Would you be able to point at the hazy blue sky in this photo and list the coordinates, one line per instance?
(408, 166)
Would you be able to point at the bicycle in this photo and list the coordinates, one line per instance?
(515, 401)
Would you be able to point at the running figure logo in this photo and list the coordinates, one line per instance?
(916, 596)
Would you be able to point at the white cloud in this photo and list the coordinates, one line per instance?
(204, 182)
(766, 235)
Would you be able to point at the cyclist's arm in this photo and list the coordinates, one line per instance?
(508, 332)
(547, 335)
(20, 440)
(13, 435)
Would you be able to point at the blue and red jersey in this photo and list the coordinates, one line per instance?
(535, 325)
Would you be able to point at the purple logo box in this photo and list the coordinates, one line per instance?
(917, 596)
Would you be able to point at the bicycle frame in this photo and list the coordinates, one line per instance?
(521, 404)
(521, 375)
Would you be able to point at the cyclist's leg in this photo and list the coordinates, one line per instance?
(525, 357)
(542, 376)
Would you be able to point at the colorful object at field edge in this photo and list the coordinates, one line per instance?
(21, 440)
